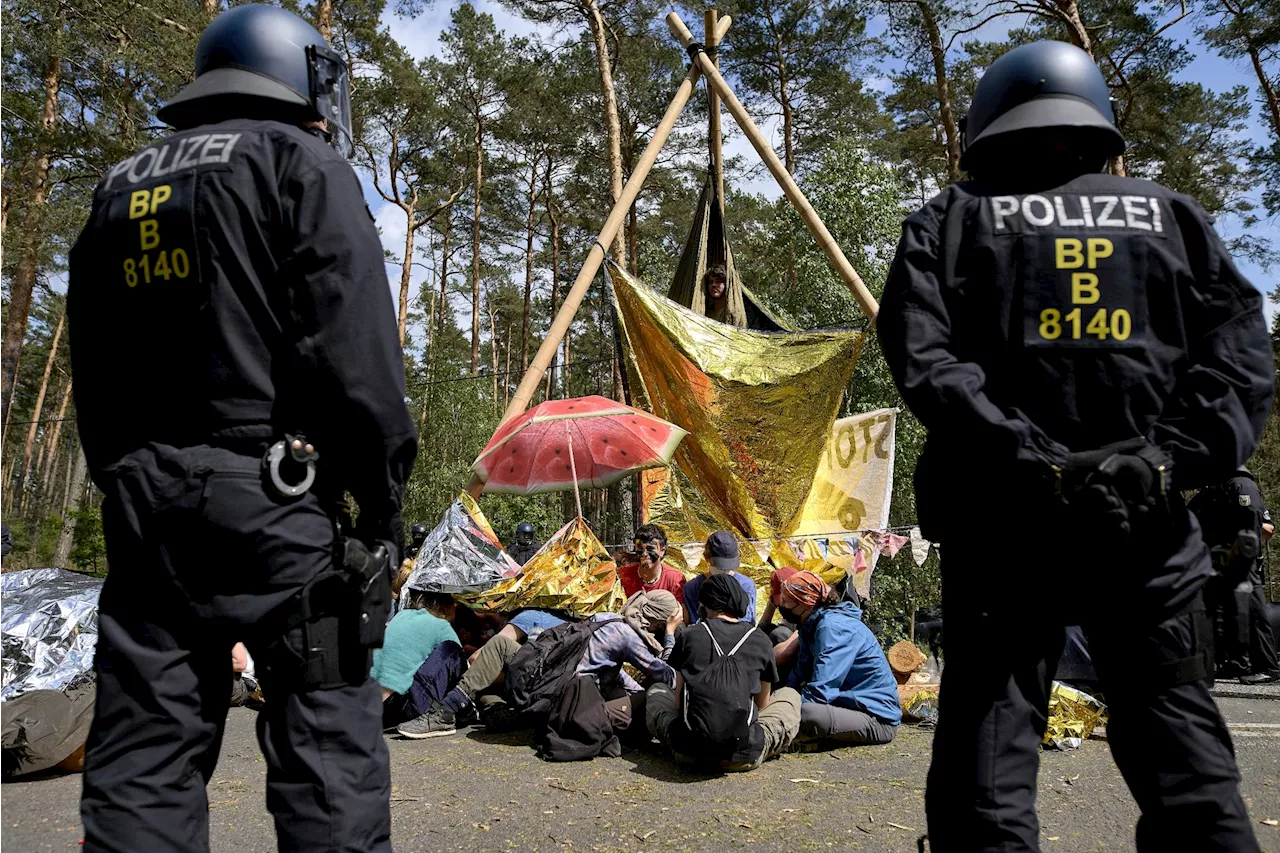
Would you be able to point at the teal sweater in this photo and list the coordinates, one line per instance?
(411, 638)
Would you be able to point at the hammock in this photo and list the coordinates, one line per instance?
(708, 246)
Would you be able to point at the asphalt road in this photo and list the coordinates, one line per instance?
(490, 793)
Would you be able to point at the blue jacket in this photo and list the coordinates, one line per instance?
(841, 663)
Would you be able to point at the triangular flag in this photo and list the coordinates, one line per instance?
(892, 544)
(823, 544)
(693, 555)
(763, 549)
(919, 546)
(859, 561)
(797, 548)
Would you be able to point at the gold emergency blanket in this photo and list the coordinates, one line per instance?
(1073, 715)
(766, 456)
(758, 407)
(573, 572)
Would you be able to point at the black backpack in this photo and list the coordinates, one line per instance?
(718, 704)
(543, 668)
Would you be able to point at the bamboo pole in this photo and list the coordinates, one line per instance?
(595, 256)
(714, 130)
(852, 280)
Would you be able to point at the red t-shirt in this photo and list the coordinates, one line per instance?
(671, 580)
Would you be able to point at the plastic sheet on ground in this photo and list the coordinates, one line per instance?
(462, 554)
(572, 573)
(49, 628)
(922, 707)
(1073, 715)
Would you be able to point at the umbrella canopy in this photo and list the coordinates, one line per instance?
(585, 441)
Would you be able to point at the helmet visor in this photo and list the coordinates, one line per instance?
(331, 95)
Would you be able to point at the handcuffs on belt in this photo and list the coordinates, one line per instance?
(293, 452)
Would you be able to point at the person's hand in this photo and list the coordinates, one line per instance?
(239, 658)
(674, 621)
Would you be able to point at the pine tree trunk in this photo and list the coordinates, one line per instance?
(43, 452)
(444, 271)
(475, 251)
(76, 491)
(51, 464)
(493, 350)
(555, 271)
(406, 263)
(1268, 90)
(506, 373)
(613, 127)
(24, 274)
(24, 471)
(528, 266)
(4, 205)
(324, 19)
(943, 87)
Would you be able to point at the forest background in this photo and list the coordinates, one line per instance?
(491, 139)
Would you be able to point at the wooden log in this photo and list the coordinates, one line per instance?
(573, 298)
(904, 659)
(714, 131)
(816, 227)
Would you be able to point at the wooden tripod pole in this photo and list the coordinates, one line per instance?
(569, 307)
(713, 108)
(811, 219)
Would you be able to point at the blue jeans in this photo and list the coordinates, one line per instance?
(439, 673)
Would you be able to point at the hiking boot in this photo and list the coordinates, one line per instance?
(437, 722)
(466, 716)
(501, 717)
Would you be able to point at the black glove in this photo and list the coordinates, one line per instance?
(1122, 489)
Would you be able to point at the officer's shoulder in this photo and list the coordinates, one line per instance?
(1124, 185)
(937, 208)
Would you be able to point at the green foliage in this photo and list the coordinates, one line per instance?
(89, 548)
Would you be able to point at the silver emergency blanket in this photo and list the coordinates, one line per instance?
(49, 628)
(462, 554)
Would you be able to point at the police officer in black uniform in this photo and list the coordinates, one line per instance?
(524, 547)
(237, 371)
(1235, 522)
(1080, 347)
(417, 535)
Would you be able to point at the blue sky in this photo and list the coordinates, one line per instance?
(421, 37)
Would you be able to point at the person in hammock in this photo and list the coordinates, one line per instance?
(715, 283)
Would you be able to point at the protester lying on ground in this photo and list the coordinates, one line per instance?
(644, 569)
(486, 670)
(600, 703)
(419, 662)
(721, 554)
(848, 692)
(723, 713)
(523, 547)
(785, 638)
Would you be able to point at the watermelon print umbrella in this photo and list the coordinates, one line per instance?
(563, 444)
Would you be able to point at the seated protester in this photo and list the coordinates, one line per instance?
(244, 683)
(722, 713)
(474, 628)
(785, 638)
(598, 703)
(644, 571)
(721, 553)
(487, 665)
(419, 662)
(847, 690)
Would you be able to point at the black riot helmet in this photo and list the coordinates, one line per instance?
(418, 534)
(524, 533)
(265, 62)
(1046, 85)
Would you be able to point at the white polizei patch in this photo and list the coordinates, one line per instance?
(1130, 212)
(201, 149)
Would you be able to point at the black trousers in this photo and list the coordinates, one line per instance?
(1002, 645)
(202, 557)
(1262, 643)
